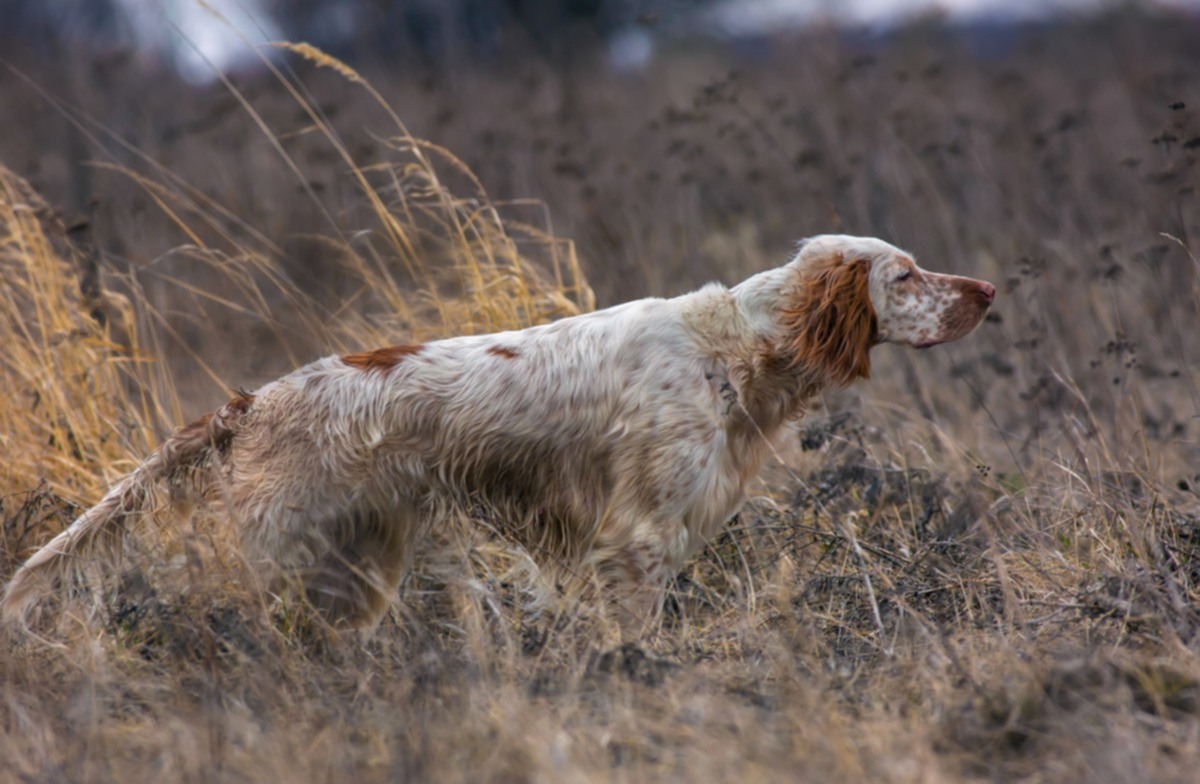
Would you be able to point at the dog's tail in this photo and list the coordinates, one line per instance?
(96, 530)
(184, 457)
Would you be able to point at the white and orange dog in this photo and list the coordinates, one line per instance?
(621, 440)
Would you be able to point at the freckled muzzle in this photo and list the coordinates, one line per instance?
(971, 300)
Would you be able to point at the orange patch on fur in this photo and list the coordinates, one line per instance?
(212, 430)
(240, 403)
(194, 429)
(381, 359)
(502, 351)
(832, 324)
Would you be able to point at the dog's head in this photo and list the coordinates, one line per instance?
(855, 292)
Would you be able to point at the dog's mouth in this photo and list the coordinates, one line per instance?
(964, 315)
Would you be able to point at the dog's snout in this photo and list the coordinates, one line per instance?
(987, 292)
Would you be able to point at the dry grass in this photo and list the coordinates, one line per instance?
(1021, 505)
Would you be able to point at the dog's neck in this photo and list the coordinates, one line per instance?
(744, 329)
(759, 300)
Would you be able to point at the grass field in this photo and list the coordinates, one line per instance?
(982, 564)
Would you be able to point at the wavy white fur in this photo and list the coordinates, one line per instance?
(620, 441)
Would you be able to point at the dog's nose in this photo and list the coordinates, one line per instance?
(987, 291)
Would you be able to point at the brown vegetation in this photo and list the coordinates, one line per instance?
(982, 564)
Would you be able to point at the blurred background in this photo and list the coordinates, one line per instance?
(215, 210)
(1048, 146)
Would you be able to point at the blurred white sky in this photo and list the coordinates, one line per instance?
(197, 36)
(743, 17)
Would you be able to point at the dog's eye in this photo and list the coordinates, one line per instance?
(904, 275)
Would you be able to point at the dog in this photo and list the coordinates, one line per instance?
(620, 441)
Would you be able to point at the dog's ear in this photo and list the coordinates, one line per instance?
(830, 322)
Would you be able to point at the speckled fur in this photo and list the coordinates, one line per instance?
(619, 442)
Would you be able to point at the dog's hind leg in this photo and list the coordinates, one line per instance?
(358, 568)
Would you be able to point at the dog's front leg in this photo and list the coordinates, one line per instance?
(632, 568)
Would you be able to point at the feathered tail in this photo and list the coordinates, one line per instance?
(98, 530)
(95, 531)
